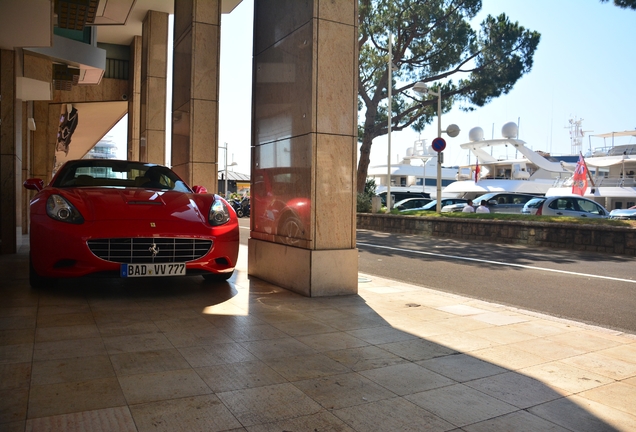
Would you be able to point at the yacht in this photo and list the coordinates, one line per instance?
(416, 173)
(612, 173)
(530, 172)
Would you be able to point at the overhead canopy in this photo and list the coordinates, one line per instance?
(616, 134)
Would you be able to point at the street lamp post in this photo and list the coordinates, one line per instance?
(226, 165)
(389, 113)
(452, 131)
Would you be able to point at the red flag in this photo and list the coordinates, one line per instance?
(579, 179)
(477, 171)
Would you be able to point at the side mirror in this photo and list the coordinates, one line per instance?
(35, 184)
(199, 190)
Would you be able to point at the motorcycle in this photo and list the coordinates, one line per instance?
(238, 208)
(245, 205)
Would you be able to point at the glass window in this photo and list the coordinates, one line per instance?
(588, 206)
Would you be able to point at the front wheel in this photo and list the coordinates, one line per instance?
(239, 212)
(36, 281)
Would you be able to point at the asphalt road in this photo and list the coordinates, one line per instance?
(593, 288)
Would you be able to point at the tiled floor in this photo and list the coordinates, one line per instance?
(183, 355)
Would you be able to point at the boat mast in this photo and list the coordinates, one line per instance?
(576, 136)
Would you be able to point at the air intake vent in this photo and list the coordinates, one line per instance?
(149, 250)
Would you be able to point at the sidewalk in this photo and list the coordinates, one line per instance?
(181, 354)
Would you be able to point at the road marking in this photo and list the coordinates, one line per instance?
(496, 262)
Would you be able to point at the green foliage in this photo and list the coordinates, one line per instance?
(435, 43)
(364, 198)
(625, 4)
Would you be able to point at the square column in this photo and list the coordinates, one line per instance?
(303, 204)
(10, 155)
(134, 99)
(195, 100)
(154, 63)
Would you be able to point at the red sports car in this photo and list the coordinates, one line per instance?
(128, 219)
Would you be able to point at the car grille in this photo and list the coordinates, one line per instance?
(140, 250)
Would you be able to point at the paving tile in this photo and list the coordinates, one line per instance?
(515, 389)
(68, 319)
(306, 366)
(343, 390)
(331, 341)
(602, 364)
(63, 309)
(461, 309)
(363, 358)
(461, 367)
(460, 341)
(304, 327)
(396, 414)
(216, 354)
(198, 337)
(237, 376)
(616, 395)
(548, 349)
(197, 413)
(322, 421)
(63, 398)
(622, 352)
(268, 404)
(16, 353)
(158, 386)
(71, 370)
(17, 322)
(13, 405)
(17, 336)
(584, 340)
(501, 335)
(566, 377)
(183, 324)
(582, 415)
(519, 421)
(148, 362)
(113, 329)
(254, 332)
(381, 335)
(277, 348)
(103, 420)
(408, 378)
(417, 349)
(138, 342)
(15, 375)
(68, 349)
(475, 406)
(543, 328)
(499, 319)
(49, 334)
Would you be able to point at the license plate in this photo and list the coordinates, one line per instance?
(149, 270)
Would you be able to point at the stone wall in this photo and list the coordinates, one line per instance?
(595, 238)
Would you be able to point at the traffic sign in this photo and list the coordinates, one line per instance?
(439, 144)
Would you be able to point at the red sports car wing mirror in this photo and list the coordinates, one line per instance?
(199, 189)
(35, 184)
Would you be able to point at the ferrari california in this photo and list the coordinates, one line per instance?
(127, 219)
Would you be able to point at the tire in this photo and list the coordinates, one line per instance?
(39, 282)
(217, 277)
(239, 212)
(291, 229)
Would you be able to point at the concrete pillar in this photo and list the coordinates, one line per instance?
(154, 54)
(195, 95)
(304, 146)
(10, 155)
(134, 99)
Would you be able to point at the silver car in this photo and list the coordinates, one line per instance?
(572, 206)
(623, 214)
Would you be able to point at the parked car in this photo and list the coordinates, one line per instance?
(432, 206)
(624, 214)
(399, 196)
(127, 219)
(572, 206)
(411, 203)
(499, 202)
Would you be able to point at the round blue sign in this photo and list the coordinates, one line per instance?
(439, 144)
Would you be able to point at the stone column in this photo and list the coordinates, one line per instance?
(195, 94)
(10, 155)
(304, 146)
(134, 99)
(154, 54)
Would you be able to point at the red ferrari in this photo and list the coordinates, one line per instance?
(127, 219)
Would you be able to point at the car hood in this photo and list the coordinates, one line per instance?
(124, 204)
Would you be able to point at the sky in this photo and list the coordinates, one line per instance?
(583, 70)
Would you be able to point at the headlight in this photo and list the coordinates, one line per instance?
(219, 214)
(60, 209)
